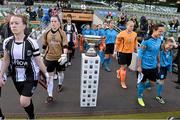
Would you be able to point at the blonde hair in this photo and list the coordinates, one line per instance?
(166, 41)
(129, 22)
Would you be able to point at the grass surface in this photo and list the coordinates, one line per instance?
(163, 116)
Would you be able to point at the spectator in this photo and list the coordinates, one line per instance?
(150, 26)
(109, 17)
(40, 12)
(121, 23)
(58, 2)
(136, 24)
(143, 27)
(174, 24)
(178, 62)
(46, 18)
(17, 10)
(32, 14)
(83, 6)
(5, 29)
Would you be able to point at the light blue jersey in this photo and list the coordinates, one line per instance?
(149, 51)
(86, 32)
(166, 59)
(101, 32)
(93, 32)
(110, 35)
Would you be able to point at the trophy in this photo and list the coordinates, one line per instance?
(92, 41)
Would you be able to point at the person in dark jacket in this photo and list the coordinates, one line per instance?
(143, 27)
(5, 29)
(178, 62)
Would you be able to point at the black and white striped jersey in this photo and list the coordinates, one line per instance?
(70, 29)
(22, 63)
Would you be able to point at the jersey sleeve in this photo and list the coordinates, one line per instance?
(44, 41)
(135, 41)
(64, 42)
(142, 49)
(5, 44)
(119, 41)
(35, 47)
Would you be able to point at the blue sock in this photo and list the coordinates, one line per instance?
(140, 89)
(159, 89)
(105, 62)
(109, 61)
(101, 55)
(147, 84)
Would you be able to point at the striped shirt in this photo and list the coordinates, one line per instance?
(22, 63)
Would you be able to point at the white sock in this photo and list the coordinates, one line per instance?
(61, 77)
(50, 85)
(55, 76)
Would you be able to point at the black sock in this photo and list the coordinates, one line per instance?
(1, 114)
(30, 110)
(70, 57)
(73, 51)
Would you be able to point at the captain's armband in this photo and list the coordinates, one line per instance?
(143, 47)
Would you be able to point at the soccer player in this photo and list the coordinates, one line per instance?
(149, 60)
(126, 44)
(71, 31)
(110, 35)
(101, 32)
(55, 46)
(165, 66)
(22, 54)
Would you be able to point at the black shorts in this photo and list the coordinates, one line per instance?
(70, 45)
(150, 74)
(109, 48)
(26, 88)
(54, 65)
(124, 58)
(163, 73)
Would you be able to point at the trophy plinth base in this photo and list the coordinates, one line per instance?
(91, 52)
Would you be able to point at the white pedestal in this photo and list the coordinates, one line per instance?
(89, 80)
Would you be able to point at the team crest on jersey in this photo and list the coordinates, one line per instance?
(29, 52)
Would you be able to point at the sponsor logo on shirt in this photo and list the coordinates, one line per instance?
(20, 63)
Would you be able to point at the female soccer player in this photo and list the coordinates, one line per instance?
(110, 35)
(55, 45)
(126, 44)
(22, 56)
(149, 60)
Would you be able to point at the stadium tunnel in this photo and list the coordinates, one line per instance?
(79, 17)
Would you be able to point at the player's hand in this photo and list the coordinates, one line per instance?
(158, 66)
(42, 55)
(2, 82)
(139, 69)
(63, 59)
(115, 55)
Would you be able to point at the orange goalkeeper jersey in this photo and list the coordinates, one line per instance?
(126, 42)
